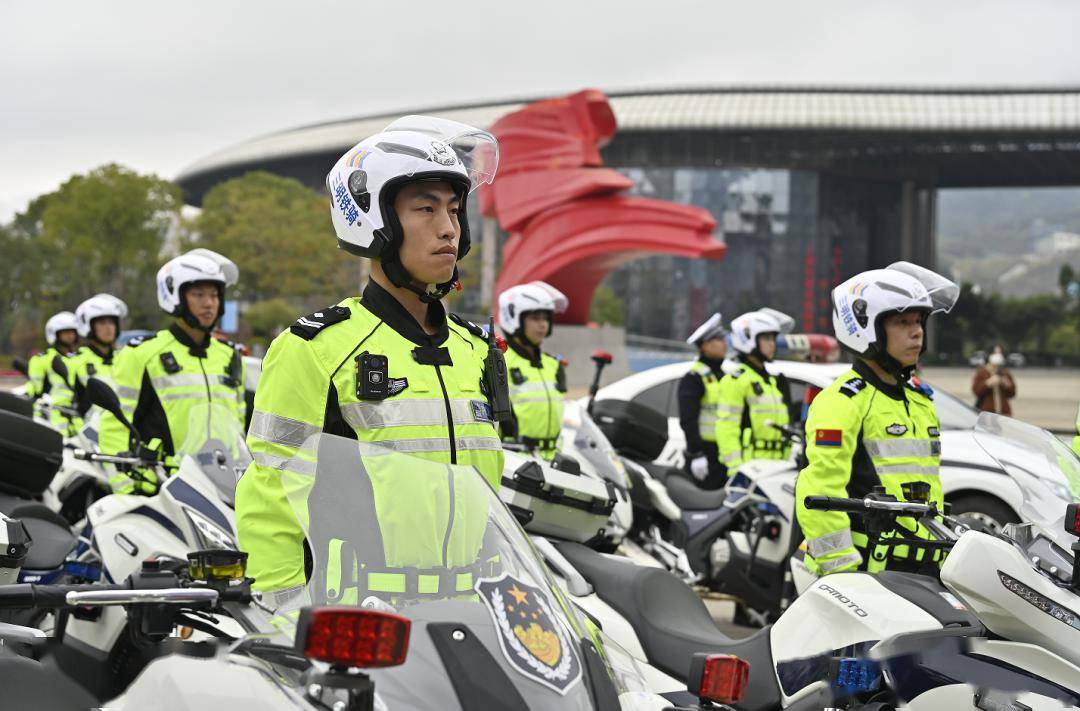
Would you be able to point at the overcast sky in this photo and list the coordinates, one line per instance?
(158, 85)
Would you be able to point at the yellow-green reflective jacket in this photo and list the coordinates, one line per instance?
(434, 408)
(36, 371)
(159, 379)
(862, 433)
(1076, 439)
(91, 363)
(537, 389)
(747, 401)
(710, 400)
(428, 541)
(61, 390)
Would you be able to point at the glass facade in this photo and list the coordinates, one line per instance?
(791, 236)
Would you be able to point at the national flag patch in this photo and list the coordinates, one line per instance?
(829, 438)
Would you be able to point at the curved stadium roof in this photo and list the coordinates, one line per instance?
(1038, 114)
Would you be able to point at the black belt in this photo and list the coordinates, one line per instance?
(532, 443)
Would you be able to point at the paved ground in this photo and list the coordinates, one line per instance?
(1047, 397)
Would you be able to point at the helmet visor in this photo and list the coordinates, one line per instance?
(943, 292)
(477, 150)
(228, 267)
(785, 322)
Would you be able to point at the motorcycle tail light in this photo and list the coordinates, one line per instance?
(723, 677)
(1072, 519)
(353, 637)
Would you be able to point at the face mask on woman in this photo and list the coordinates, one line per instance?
(996, 359)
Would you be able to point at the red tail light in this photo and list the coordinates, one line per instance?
(353, 637)
(1072, 519)
(724, 678)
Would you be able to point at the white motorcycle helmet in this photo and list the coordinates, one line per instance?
(711, 329)
(99, 306)
(519, 300)
(861, 303)
(746, 328)
(198, 265)
(364, 181)
(63, 321)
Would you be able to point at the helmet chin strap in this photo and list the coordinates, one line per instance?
(400, 277)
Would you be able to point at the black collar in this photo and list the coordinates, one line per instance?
(716, 366)
(745, 360)
(896, 392)
(384, 306)
(105, 352)
(197, 350)
(533, 355)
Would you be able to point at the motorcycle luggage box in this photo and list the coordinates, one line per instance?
(10, 402)
(567, 506)
(30, 455)
(637, 430)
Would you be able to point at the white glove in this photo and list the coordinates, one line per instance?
(699, 467)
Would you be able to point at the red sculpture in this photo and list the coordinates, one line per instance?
(569, 224)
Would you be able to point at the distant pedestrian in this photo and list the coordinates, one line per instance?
(993, 384)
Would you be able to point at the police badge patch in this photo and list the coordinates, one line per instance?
(896, 429)
(530, 637)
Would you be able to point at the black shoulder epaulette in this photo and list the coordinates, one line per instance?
(853, 387)
(307, 327)
(139, 340)
(468, 326)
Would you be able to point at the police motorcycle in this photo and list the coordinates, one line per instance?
(192, 510)
(585, 451)
(995, 632)
(424, 592)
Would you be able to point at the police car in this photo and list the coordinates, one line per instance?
(974, 484)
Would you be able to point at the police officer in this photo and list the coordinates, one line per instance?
(537, 379)
(99, 319)
(751, 400)
(51, 372)
(699, 394)
(872, 426)
(390, 367)
(162, 377)
(1076, 439)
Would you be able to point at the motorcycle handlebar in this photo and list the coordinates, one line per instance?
(832, 503)
(29, 595)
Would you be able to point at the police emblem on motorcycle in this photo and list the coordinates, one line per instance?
(531, 638)
(442, 153)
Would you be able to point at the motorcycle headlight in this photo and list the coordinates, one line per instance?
(210, 535)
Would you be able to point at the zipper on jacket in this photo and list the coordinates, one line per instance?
(449, 522)
(547, 392)
(449, 416)
(209, 397)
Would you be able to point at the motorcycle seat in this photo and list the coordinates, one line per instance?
(672, 622)
(691, 497)
(29, 685)
(925, 592)
(52, 539)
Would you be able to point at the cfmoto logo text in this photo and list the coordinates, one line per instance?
(844, 600)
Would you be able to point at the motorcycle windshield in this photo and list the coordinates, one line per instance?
(594, 445)
(1047, 471)
(215, 441)
(433, 543)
